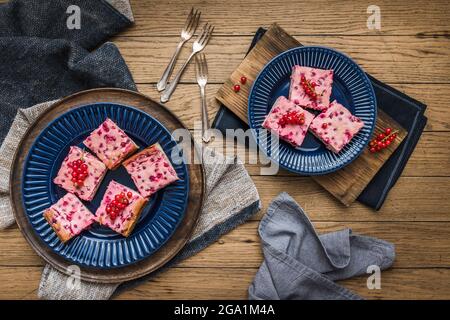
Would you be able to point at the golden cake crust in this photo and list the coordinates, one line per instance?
(62, 234)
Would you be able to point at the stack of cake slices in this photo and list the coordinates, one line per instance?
(311, 88)
(82, 172)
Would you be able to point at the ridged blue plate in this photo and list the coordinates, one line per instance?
(100, 247)
(351, 88)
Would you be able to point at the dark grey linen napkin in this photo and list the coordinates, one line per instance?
(42, 60)
(300, 264)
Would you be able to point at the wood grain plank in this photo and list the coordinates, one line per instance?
(411, 199)
(232, 283)
(205, 283)
(416, 17)
(388, 58)
(430, 252)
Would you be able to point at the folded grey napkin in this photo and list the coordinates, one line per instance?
(300, 264)
(230, 199)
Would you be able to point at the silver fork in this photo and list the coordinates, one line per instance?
(201, 72)
(188, 31)
(198, 46)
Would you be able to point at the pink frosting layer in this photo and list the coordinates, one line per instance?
(323, 80)
(96, 170)
(336, 126)
(110, 144)
(71, 215)
(292, 133)
(122, 221)
(151, 170)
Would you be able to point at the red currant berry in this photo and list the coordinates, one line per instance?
(74, 180)
(117, 198)
(79, 162)
(84, 166)
(243, 80)
(236, 88)
(129, 194)
(388, 131)
(373, 150)
(324, 125)
(108, 209)
(381, 136)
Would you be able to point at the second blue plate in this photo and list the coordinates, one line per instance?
(351, 88)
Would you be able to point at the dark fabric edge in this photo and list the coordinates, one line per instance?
(117, 12)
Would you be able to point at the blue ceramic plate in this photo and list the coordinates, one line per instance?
(100, 247)
(351, 88)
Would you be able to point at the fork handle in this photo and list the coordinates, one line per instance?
(167, 93)
(205, 119)
(161, 85)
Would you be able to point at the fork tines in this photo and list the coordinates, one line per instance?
(192, 21)
(201, 67)
(207, 31)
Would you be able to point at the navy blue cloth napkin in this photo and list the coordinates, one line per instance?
(408, 112)
(41, 59)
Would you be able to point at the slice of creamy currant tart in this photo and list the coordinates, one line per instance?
(120, 208)
(80, 173)
(336, 126)
(150, 170)
(110, 143)
(311, 87)
(289, 121)
(68, 217)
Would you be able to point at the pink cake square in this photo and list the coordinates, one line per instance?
(110, 144)
(68, 217)
(95, 168)
(126, 219)
(336, 126)
(318, 81)
(150, 170)
(294, 133)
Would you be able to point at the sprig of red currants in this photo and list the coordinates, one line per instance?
(382, 140)
(309, 87)
(117, 205)
(79, 171)
(292, 117)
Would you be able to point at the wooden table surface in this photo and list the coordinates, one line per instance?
(411, 52)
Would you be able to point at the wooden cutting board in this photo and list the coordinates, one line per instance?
(345, 184)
